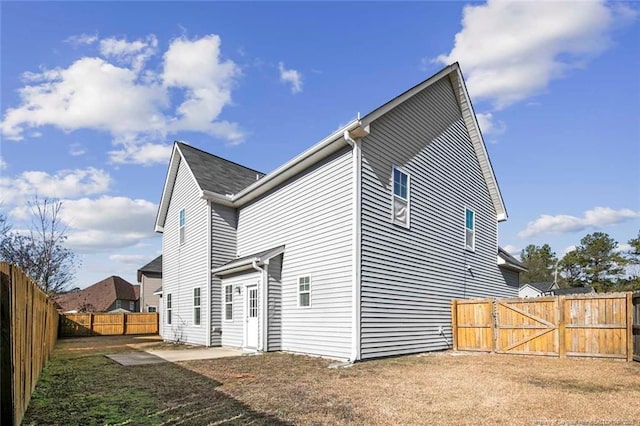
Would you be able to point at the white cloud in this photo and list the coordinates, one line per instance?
(82, 39)
(512, 250)
(120, 94)
(624, 247)
(62, 184)
(129, 259)
(107, 222)
(3, 164)
(145, 154)
(292, 77)
(510, 50)
(569, 249)
(560, 224)
(489, 125)
(135, 53)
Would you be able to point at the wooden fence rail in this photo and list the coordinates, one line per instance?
(564, 326)
(29, 330)
(73, 325)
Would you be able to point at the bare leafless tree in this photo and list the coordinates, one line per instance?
(41, 252)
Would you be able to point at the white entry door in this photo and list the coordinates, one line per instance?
(251, 328)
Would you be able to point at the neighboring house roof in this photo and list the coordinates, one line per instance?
(223, 193)
(572, 290)
(542, 286)
(246, 262)
(99, 296)
(158, 290)
(153, 268)
(507, 261)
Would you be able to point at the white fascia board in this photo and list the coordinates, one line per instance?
(167, 189)
(248, 262)
(317, 152)
(225, 200)
(469, 116)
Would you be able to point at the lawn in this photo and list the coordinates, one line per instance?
(81, 386)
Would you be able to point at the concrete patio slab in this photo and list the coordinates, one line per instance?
(173, 355)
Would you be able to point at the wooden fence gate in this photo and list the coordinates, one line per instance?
(581, 325)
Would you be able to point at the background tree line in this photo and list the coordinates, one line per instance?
(596, 262)
(39, 250)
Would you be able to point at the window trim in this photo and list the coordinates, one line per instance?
(155, 309)
(393, 197)
(230, 303)
(182, 225)
(298, 292)
(471, 248)
(169, 309)
(198, 306)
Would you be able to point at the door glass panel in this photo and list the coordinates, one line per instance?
(253, 303)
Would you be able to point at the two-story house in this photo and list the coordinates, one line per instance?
(352, 249)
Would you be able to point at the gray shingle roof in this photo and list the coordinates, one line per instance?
(216, 174)
(154, 267)
(543, 287)
(572, 290)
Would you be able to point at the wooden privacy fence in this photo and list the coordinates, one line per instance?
(72, 325)
(564, 326)
(29, 329)
(636, 326)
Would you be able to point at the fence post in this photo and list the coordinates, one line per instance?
(629, 327)
(454, 324)
(124, 323)
(562, 349)
(6, 348)
(91, 333)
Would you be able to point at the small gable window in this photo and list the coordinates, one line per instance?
(400, 202)
(470, 230)
(182, 223)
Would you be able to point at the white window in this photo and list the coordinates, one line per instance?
(469, 230)
(118, 304)
(228, 302)
(132, 305)
(196, 306)
(400, 201)
(182, 224)
(304, 291)
(169, 309)
(151, 309)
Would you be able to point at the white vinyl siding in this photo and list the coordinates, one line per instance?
(186, 266)
(148, 286)
(311, 214)
(469, 230)
(409, 276)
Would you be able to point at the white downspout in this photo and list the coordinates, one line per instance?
(356, 222)
(262, 340)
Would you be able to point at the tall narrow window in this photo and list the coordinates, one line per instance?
(169, 309)
(400, 197)
(304, 292)
(228, 302)
(182, 226)
(470, 230)
(196, 306)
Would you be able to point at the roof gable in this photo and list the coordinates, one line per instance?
(340, 138)
(154, 267)
(212, 174)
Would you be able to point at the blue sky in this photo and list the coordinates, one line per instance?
(93, 94)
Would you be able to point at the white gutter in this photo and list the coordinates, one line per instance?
(225, 200)
(356, 168)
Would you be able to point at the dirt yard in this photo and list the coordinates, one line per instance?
(81, 386)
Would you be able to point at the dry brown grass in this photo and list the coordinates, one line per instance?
(278, 388)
